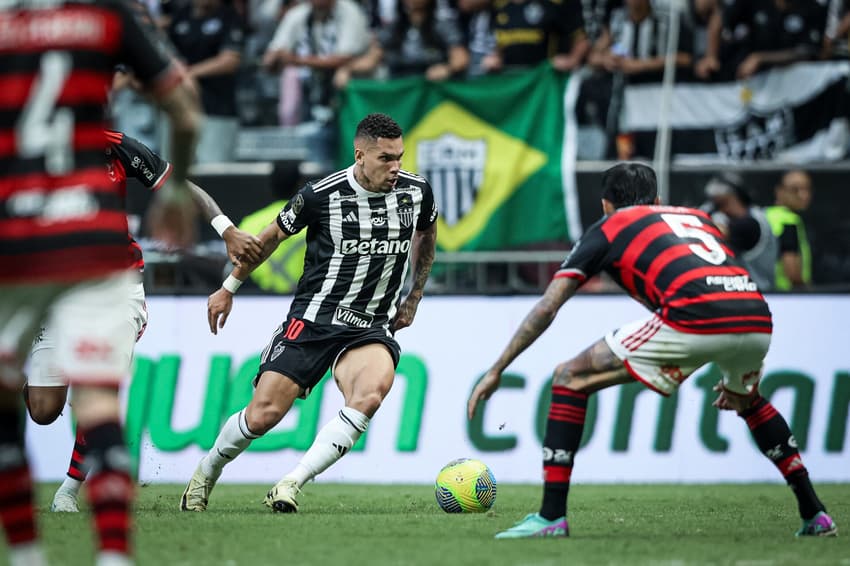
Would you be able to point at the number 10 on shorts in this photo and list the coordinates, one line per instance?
(294, 328)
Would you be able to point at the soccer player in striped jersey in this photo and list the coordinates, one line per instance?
(63, 235)
(46, 391)
(364, 223)
(705, 308)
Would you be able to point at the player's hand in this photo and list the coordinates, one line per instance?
(406, 312)
(218, 308)
(483, 389)
(722, 403)
(172, 216)
(242, 246)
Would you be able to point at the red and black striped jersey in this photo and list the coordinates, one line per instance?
(129, 157)
(674, 261)
(62, 217)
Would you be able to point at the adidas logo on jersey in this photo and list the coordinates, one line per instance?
(350, 217)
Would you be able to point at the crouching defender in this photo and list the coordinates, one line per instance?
(704, 309)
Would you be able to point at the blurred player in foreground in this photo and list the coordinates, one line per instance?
(363, 225)
(46, 391)
(704, 309)
(63, 237)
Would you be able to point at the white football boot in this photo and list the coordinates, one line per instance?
(283, 497)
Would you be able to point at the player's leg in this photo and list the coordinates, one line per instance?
(739, 392)
(17, 512)
(21, 310)
(273, 397)
(45, 395)
(110, 487)
(365, 375)
(95, 338)
(65, 498)
(594, 369)
(45, 391)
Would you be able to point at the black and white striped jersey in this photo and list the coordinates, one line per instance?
(358, 246)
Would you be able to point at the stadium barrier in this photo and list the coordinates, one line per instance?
(828, 225)
(187, 381)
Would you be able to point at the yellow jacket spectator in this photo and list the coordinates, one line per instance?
(794, 265)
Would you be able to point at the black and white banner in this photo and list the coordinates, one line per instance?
(797, 113)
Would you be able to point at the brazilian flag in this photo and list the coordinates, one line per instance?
(497, 150)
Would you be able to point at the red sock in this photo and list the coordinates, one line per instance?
(16, 505)
(109, 487)
(773, 437)
(564, 428)
(77, 469)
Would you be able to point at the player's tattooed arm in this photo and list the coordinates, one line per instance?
(241, 246)
(538, 320)
(424, 248)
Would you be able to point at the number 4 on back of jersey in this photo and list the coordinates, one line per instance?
(42, 129)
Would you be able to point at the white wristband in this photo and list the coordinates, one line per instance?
(231, 284)
(221, 223)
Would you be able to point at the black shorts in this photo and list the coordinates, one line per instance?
(304, 351)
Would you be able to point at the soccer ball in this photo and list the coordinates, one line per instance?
(465, 486)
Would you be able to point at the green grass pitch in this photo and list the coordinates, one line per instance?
(372, 525)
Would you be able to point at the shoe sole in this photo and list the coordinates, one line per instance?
(830, 533)
(566, 535)
(282, 507)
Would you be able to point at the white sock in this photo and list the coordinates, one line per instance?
(111, 558)
(332, 443)
(70, 485)
(29, 554)
(233, 439)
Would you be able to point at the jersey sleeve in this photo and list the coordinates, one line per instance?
(301, 211)
(139, 161)
(789, 240)
(145, 50)
(428, 211)
(587, 258)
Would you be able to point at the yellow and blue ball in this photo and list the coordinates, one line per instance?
(465, 486)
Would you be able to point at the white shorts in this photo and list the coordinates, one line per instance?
(662, 357)
(92, 329)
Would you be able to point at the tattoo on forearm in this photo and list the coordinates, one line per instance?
(531, 328)
(209, 208)
(423, 258)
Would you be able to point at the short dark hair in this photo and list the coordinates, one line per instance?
(376, 126)
(728, 182)
(629, 184)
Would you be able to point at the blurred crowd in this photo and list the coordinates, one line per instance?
(282, 62)
(770, 241)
